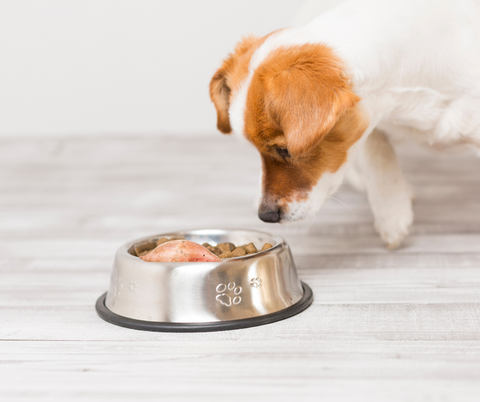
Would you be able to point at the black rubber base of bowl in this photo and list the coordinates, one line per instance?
(126, 322)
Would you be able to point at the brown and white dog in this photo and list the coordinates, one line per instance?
(321, 101)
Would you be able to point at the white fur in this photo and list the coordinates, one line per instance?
(389, 194)
(326, 186)
(237, 107)
(416, 66)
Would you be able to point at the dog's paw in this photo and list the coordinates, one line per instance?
(394, 221)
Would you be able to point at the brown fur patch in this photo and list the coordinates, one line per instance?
(229, 77)
(292, 179)
(300, 99)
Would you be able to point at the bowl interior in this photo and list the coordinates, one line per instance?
(212, 236)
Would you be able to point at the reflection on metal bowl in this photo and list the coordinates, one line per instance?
(205, 296)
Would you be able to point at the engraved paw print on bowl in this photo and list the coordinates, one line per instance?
(229, 294)
(256, 283)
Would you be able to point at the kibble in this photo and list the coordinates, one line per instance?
(162, 240)
(226, 247)
(225, 255)
(142, 247)
(266, 246)
(250, 248)
(239, 252)
(215, 250)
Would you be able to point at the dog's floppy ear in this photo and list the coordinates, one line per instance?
(306, 98)
(219, 86)
(220, 95)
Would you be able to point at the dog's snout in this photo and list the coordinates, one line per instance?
(270, 215)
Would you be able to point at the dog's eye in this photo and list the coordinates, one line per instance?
(283, 152)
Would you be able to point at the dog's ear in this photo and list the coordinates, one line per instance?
(220, 95)
(219, 86)
(306, 98)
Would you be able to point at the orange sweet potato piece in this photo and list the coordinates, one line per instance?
(180, 251)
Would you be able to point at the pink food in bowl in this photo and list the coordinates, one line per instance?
(180, 251)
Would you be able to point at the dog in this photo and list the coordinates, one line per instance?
(325, 101)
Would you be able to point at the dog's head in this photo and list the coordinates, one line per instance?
(296, 105)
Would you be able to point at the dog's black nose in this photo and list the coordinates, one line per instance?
(270, 216)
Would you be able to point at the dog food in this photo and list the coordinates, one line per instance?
(176, 249)
(229, 250)
(180, 251)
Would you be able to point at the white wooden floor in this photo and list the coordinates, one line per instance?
(384, 326)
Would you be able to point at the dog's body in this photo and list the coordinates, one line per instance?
(318, 99)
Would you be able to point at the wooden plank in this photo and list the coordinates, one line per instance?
(205, 370)
(384, 326)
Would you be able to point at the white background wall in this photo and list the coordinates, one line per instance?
(120, 66)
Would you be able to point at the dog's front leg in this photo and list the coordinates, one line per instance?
(389, 194)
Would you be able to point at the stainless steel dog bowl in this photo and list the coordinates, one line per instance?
(205, 296)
